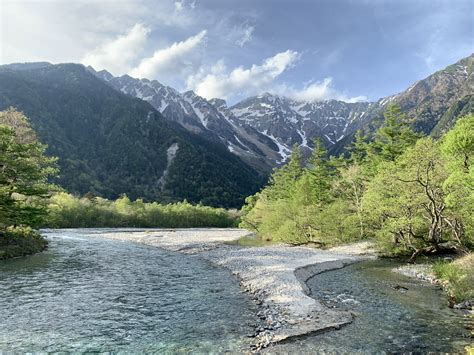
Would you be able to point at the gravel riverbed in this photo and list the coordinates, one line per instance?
(274, 275)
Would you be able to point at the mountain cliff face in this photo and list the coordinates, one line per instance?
(428, 100)
(200, 116)
(288, 122)
(110, 143)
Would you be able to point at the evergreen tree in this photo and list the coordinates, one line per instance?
(393, 137)
(283, 179)
(320, 174)
(359, 148)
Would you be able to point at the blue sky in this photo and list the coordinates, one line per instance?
(310, 50)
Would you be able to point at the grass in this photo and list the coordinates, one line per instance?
(457, 277)
(20, 241)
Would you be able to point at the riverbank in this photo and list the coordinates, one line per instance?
(455, 276)
(274, 275)
(20, 241)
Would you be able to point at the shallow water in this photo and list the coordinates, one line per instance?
(91, 294)
(393, 313)
(88, 294)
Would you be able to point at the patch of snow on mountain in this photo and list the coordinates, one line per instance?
(283, 150)
(201, 115)
(163, 105)
(239, 112)
(303, 138)
(329, 139)
(242, 144)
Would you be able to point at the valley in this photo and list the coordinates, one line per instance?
(227, 177)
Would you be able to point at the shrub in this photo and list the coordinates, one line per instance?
(458, 277)
(20, 241)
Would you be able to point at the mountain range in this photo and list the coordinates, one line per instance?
(137, 136)
(262, 129)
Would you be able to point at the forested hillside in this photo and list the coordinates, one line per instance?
(412, 193)
(109, 143)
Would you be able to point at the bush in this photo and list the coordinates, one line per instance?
(458, 277)
(20, 241)
(68, 211)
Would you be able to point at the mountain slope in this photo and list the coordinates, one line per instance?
(110, 143)
(428, 100)
(288, 122)
(200, 116)
(433, 104)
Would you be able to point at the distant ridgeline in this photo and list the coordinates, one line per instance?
(116, 135)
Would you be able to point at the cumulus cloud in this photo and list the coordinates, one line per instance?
(117, 54)
(317, 91)
(173, 59)
(218, 82)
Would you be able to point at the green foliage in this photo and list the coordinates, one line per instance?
(405, 201)
(282, 181)
(20, 241)
(25, 170)
(68, 211)
(291, 208)
(398, 188)
(391, 139)
(458, 148)
(458, 277)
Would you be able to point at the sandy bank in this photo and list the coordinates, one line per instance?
(274, 275)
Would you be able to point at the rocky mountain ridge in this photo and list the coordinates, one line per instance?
(262, 129)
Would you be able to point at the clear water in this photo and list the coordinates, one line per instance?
(87, 294)
(96, 295)
(389, 318)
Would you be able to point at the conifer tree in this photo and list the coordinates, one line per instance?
(320, 174)
(283, 179)
(393, 137)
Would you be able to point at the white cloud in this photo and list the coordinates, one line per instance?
(116, 56)
(246, 36)
(178, 5)
(218, 83)
(64, 31)
(171, 60)
(317, 91)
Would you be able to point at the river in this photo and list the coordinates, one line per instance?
(90, 294)
(97, 295)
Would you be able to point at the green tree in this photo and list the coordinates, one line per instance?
(282, 181)
(320, 174)
(406, 202)
(393, 137)
(25, 170)
(458, 148)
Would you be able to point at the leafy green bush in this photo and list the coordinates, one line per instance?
(68, 211)
(20, 241)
